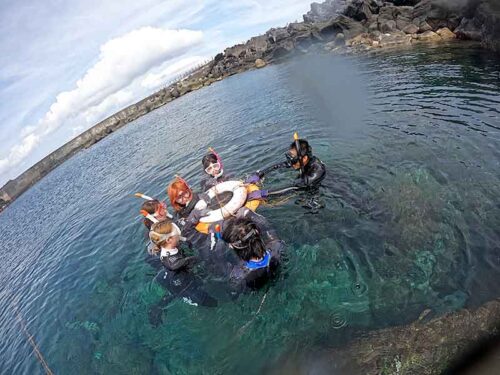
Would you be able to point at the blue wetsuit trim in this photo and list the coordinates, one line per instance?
(253, 265)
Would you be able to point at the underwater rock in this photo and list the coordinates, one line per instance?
(423, 347)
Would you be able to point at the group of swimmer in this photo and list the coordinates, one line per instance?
(232, 241)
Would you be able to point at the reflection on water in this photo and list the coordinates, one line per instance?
(411, 220)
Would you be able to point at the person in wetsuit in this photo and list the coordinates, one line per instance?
(176, 276)
(214, 170)
(259, 251)
(189, 207)
(299, 157)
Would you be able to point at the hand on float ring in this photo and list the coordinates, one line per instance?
(257, 194)
(253, 179)
(195, 216)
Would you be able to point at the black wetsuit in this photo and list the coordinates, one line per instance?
(314, 173)
(208, 181)
(253, 275)
(203, 243)
(177, 278)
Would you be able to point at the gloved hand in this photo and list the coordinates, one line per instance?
(257, 194)
(253, 179)
(195, 216)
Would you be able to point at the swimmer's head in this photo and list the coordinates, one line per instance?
(165, 234)
(179, 193)
(303, 153)
(156, 208)
(244, 237)
(211, 164)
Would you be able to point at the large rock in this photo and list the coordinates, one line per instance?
(491, 27)
(425, 347)
(482, 23)
(361, 10)
(259, 63)
(325, 11)
(342, 24)
(411, 29)
(429, 36)
(446, 34)
(439, 13)
(394, 39)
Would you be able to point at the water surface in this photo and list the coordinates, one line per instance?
(411, 142)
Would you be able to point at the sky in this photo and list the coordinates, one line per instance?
(66, 65)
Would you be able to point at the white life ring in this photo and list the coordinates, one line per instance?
(237, 201)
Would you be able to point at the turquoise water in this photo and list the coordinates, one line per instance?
(411, 142)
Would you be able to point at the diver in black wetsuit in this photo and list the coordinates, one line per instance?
(299, 157)
(176, 276)
(259, 251)
(214, 170)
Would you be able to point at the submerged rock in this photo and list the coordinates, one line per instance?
(419, 348)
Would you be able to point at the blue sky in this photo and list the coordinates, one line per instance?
(66, 65)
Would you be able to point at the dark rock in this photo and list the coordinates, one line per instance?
(174, 93)
(325, 11)
(341, 24)
(277, 35)
(440, 14)
(218, 57)
(490, 10)
(388, 26)
(410, 29)
(361, 10)
(469, 29)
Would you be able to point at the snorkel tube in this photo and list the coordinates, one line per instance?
(148, 198)
(299, 154)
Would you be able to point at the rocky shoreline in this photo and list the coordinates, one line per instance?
(339, 26)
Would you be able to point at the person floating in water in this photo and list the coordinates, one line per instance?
(214, 170)
(298, 157)
(257, 247)
(176, 277)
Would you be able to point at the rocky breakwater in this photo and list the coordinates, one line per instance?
(345, 25)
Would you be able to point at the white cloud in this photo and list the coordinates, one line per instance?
(128, 66)
(169, 71)
(107, 86)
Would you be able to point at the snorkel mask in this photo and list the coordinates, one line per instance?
(292, 160)
(215, 165)
(160, 237)
(148, 198)
(241, 244)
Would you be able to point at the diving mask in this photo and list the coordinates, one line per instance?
(160, 237)
(291, 159)
(213, 167)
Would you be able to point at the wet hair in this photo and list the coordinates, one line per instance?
(150, 207)
(305, 148)
(208, 159)
(236, 230)
(163, 227)
(173, 190)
